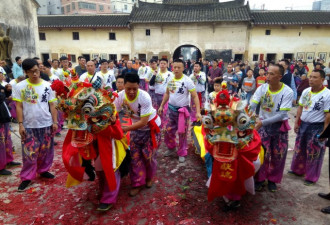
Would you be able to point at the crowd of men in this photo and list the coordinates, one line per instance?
(170, 94)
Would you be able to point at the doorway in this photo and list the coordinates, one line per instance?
(87, 57)
(187, 52)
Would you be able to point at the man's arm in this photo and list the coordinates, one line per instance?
(165, 100)
(19, 113)
(326, 121)
(53, 111)
(196, 101)
(135, 126)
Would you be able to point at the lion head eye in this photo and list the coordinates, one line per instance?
(243, 121)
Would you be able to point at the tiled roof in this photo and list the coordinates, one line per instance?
(290, 17)
(93, 21)
(232, 3)
(185, 2)
(168, 13)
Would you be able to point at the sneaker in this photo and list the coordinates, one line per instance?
(325, 196)
(104, 207)
(11, 164)
(293, 173)
(169, 152)
(309, 183)
(24, 185)
(47, 175)
(258, 186)
(5, 172)
(134, 191)
(231, 205)
(182, 159)
(272, 186)
(326, 210)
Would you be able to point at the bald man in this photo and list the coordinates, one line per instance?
(90, 72)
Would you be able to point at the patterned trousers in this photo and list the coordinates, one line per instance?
(144, 157)
(309, 151)
(275, 143)
(6, 145)
(37, 152)
(170, 134)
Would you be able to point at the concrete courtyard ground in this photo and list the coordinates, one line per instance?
(179, 196)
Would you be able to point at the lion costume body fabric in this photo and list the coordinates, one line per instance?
(234, 145)
(87, 109)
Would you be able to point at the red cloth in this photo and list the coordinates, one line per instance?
(200, 99)
(154, 129)
(104, 145)
(229, 178)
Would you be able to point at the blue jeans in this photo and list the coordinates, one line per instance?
(248, 96)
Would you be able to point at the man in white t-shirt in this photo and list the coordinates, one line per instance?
(313, 112)
(64, 73)
(275, 100)
(55, 70)
(91, 77)
(112, 69)
(142, 72)
(109, 79)
(37, 119)
(199, 79)
(144, 132)
(161, 80)
(177, 93)
(151, 87)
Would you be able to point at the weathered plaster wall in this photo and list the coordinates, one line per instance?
(21, 17)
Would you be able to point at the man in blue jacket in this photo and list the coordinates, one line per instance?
(17, 68)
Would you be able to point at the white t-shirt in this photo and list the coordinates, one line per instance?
(108, 78)
(86, 77)
(141, 106)
(35, 99)
(315, 105)
(56, 72)
(161, 82)
(273, 102)
(2, 70)
(53, 77)
(13, 84)
(3, 83)
(149, 76)
(180, 91)
(143, 71)
(199, 81)
(112, 71)
(61, 75)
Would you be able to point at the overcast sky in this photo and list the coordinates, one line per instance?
(281, 4)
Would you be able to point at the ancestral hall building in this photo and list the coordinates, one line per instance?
(189, 28)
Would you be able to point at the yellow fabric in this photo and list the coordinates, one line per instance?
(261, 155)
(121, 146)
(70, 181)
(200, 139)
